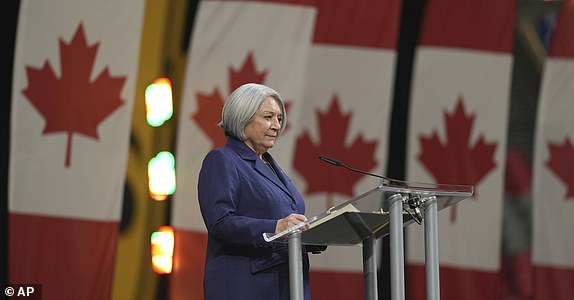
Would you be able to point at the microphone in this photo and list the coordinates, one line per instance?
(340, 164)
(412, 202)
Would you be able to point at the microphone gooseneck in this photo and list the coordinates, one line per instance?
(340, 164)
(412, 209)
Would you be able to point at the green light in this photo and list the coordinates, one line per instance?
(159, 102)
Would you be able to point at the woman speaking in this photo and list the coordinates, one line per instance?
(243, 193)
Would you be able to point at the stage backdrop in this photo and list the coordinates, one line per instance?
(553, 208)
(457, 134)
(74, 74)
(333, 62)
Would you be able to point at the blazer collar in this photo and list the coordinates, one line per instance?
(246, 153)
(243, 150)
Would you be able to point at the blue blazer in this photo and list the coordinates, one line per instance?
(240, 199)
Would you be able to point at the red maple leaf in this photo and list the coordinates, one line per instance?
(247, 74)
(456, 161)
(561, 162)
(73, 103)
(208, 113)
(333, 127)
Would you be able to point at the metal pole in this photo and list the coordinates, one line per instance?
(397, 248)
(370, 269)
(295, 266)
(431, 249)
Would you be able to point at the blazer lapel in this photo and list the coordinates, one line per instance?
(259, 166)
(282, 176)
(268, 173)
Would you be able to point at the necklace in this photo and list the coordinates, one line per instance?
(270, 166)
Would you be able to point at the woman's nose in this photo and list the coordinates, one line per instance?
(275, 124)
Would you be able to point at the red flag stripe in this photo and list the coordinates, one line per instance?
(478, 25)
(370, 23)
(190, 249)
(336, 285)
(562, 39)
(553, 283)
(71, 258)
(454, 283)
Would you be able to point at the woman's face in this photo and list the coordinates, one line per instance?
(263, 129)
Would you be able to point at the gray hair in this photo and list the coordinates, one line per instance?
(242, 105)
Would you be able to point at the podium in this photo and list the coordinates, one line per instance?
(383, 210)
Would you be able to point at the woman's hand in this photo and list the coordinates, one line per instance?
(290, 221)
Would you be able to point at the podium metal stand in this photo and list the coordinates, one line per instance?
(383, 210)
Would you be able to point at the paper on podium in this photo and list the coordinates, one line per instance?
(332, 213)
(341, 225)
(345, 226)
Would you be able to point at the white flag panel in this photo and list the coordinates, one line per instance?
(553, 208)
(333, 71)
(480, 81)
(219, 45)
(91, 185)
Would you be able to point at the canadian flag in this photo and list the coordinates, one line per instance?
(74, 75)
(346, 116)
(336, 75)
(457, 135)
(553, 208)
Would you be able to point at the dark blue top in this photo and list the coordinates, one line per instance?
(240, 199)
